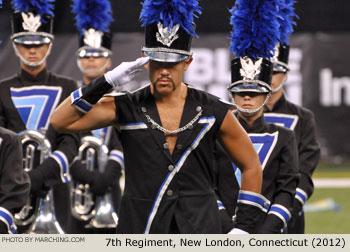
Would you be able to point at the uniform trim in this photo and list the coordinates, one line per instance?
(281, 212)
(35, 104)
(100, 134)
(7, 218)
(254, 199)
(133, 126)
(301, 196)
(80, 104)
(117, 156)
(285, 120)
(209, 121)
(62, 161)
(220, 205)
(238, 174)
(265, 139)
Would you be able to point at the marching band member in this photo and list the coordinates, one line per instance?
(14, 182)
(28, 99)
(168, 131)
(94, 59)
(299, 119)
(276, 147)
(251, 74)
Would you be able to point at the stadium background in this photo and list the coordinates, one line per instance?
(319, 78)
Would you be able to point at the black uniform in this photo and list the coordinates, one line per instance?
(169, 193)
(276, 147)
(102, 183)
(14, 182)
(26, 102)
(302, 121)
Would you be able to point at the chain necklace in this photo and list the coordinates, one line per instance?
(155, 125)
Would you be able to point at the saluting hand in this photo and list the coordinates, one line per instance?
(125, 72)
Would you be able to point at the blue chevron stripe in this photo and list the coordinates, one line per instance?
(35, 104)
(264, 145)
(285, 120)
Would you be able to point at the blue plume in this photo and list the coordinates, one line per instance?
(171, 12)
(255, 28)
(285, 19)
(40, 7)
(95, 14)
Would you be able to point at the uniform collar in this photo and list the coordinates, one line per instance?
(42, 76)
(184, 138)
(277, 105)
(259, 124)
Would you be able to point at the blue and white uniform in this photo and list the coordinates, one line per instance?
(302, 122)
(276, 147)
(27, 102)
(163, 188)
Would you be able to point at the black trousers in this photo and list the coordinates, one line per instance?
(299, 225)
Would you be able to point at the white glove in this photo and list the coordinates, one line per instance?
(125, 72)
(237, 231)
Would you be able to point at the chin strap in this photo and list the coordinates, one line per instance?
(280, 86)
(101, 70)
(250, 112)
(32, 64)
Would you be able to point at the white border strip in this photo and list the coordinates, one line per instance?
(275, 138)
(220, 205)
(65, 176)
(279, 215)
(36, 87)
(254, 203)
(133, 126)
(11, 228)
(289, 116)
(117, 156)
(210, 122)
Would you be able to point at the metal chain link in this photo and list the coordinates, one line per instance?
(155, 125)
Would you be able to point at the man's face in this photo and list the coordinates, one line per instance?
(277, 79)
(33, 53)
(249, 100)
(94, 66)
(166, 77)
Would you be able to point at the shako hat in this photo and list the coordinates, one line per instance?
(254, 37)
(32, 21)
(93, 18)
(285, 19)
(169, 28)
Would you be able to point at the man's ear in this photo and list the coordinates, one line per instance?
(146, 66)
(188, 63)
